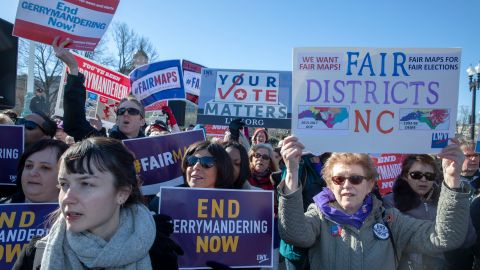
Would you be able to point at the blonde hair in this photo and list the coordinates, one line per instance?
(5, 119)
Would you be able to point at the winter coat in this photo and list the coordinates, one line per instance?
(338, 246)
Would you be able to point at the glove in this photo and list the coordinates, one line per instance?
(170, 117)
(164, 251)
(235, 127)
(164, 224)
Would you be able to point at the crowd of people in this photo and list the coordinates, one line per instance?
(328, 211)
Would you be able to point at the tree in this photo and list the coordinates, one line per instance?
(463, 120)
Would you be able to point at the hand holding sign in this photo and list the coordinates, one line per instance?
(65, 55)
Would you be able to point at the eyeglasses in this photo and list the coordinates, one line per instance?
(131, 111)
(472, 155)
(264, 156)
(30, 125)
(418, 175)
(354, 179)
(205, 162)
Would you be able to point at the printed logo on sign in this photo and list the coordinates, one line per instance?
(439, 139)
(262, 258)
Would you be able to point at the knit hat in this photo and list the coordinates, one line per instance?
(258, 130)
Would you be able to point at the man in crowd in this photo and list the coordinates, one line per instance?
(39, 102)
(470, 168)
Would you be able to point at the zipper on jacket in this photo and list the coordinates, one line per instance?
(426, 206)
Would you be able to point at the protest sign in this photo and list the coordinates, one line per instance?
(19, 222)
(389, 167)
(217, 131)
(232, 227)
(375, 100)
(11, 148)
(192, 74)
(159, 158)
(157, 82)
(105, 88)
(84, 22)
(260, 98)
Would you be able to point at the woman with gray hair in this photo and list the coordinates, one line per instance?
(261, 166)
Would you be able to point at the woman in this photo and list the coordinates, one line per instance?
(207, 165)
(101, 222)
(37, 173)
(241, 170)
(260, 136)
(348, 228)
(261, 166)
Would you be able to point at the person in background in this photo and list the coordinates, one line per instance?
(262, 166)
(5, 120)
(157, 128)
(347, 227)
(130, 112)
(38, 126)
(60, 133)
(12, 114)
(470, 168)
(241, 169)
(260, 136)
(39, 103)
(37, 173)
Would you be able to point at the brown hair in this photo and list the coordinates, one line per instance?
(134, 100)
(363, 160)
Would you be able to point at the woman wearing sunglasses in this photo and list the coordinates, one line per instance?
(261, 166)
(130, 113)
(348, 228)
(207, 165)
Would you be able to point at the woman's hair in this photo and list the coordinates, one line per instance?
(244, 164)
(107, 155)
(363, 160)
(273, 166)
(223, 163)
(134, 100)
(59, 146)
(421, 158)
(5, 119)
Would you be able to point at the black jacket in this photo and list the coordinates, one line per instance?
(39, 104)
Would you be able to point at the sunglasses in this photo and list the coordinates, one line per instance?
(354, 179)
(205, 162)
(30, 125)
(131, 111)
(418, 175)
(264, 156)
(472, 155)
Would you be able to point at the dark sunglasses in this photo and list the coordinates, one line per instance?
(418, 175)
(131, 111)
(354, 179)
(205, 162)
(30, 125)
(472, 155)
(264, 156)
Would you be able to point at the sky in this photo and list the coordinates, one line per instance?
(260, 34)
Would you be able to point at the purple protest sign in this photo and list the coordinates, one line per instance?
(159, 158)
(10, 151)
(232, 227)
(19, 222)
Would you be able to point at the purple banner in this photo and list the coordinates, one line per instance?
(18, 224)
(159, 158)
(232, 227)
(11, 148)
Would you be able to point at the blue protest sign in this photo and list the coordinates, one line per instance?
(232, 227)
(18, 224)
(10, 151)
(159, 158)
(260, 98)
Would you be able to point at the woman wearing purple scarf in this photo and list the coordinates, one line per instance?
(348, 228)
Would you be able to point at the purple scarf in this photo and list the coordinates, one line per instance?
(356, 220)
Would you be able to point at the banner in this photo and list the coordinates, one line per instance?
(159, 158)
(192, 74)
(232, 227)
(156, 82)
(11, 149)
(217, 131)
(19, 223)
(389, 167)
(105, 88)
(84, 22)
(260, 98)
(403, 100)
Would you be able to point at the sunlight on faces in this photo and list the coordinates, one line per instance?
(35, 135)
(260, 138)
(91, 202)
(349, 196)
(421, 186)
(39, 176)
(259, 164)
(471, 162)
(236, 160)
(199, 177)
(129, 124)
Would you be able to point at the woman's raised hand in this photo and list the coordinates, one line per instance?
(452, 159)
(291, 153)
(65, 55)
